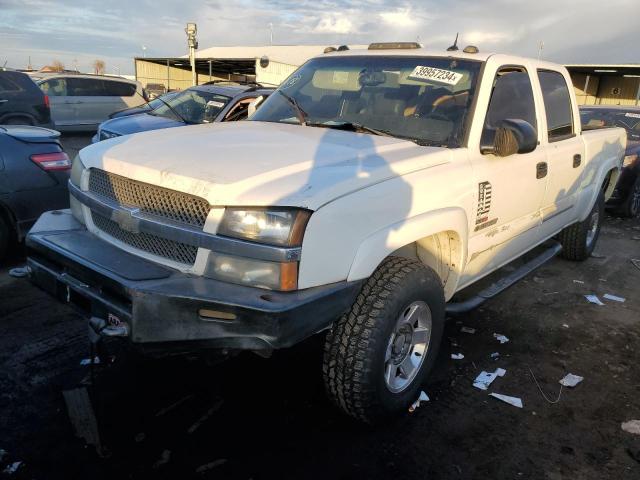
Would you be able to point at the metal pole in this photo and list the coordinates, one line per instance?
(209, 70)
(168, 75)
(638, 93)
(192, 56)
(586, 89)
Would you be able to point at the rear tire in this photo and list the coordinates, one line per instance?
(631, 206)
(579, 240)
(378, 354)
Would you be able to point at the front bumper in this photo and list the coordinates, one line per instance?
(161, 306)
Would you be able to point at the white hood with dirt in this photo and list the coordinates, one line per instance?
(261, 164)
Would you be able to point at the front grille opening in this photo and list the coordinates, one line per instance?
(160, 247)
(150, 199)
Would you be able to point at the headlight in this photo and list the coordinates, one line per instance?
(273, 226)
(254, 273)
(106, 134)
(76, 171)
(629, 159)
(76, 176)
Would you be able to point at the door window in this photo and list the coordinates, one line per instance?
(512, 98)
(56, 87)
(85, 87)
(119, 89)
(7, 85)
(557, 105)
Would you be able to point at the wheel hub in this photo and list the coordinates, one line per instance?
(407, 347)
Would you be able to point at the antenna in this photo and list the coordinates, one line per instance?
(540, 48)
(454, 47)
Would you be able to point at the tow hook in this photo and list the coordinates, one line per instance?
(114, 327)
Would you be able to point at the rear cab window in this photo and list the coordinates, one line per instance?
(557, 105)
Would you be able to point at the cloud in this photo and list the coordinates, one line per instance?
(399, 18)
(334, 24)
(484, 38)
(572, 30)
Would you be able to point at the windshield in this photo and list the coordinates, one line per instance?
(602, 118)
(191, 106)
(426, 99)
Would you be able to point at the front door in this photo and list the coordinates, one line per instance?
(510, 189)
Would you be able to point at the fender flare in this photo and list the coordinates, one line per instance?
(379, 245)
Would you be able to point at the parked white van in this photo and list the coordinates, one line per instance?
(82, 102)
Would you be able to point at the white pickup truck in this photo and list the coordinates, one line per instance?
(360, 197)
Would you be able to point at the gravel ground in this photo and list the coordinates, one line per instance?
(268, 418)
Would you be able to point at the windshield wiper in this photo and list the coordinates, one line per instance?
(300, 113)
(173, 110)
(354, 126)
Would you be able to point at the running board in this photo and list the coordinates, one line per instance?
(505, 282)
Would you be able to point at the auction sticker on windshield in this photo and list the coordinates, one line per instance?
(435, 75)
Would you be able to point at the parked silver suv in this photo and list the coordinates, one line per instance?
(82, 102)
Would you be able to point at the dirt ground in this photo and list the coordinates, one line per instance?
(255, 418)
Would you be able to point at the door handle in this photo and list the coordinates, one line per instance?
(577, 160)
(541, 170)
(4, 101)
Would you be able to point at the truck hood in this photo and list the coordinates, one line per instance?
(259, 163)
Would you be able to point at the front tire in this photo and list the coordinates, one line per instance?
(5, 237)
(579, 240)
(378, 354)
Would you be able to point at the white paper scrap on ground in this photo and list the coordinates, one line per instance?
(515, 401)
(484, 379)
(632, 426)
(87, 361)
(578, 281)
(422, 398)
(468, 330)
(571, 380)
(501, 338)
(495, 354)
(457, 356)
(593, 299)
(615, 298)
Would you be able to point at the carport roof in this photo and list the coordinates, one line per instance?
(237, 66)
(599, 69)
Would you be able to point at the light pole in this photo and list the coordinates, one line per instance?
(191, 32)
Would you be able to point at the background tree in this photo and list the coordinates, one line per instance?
(57, 66)
(98, 67)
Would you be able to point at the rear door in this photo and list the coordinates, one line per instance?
(9, 95)
(121, 95)
(564, 148)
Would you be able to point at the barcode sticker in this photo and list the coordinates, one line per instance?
(435, 74)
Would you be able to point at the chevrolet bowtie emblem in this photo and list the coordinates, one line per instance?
(125, 220)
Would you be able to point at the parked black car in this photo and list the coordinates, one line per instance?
(21, 101)
(33, 179)
(626, 197)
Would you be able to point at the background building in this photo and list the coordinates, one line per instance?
(594, 84)
(227, 63)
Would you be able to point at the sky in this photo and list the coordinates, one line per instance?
(81, 31)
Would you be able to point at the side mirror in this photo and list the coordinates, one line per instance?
(253, 105)
(511, 137)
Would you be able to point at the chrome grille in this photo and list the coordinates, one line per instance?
(161, 247)
(150, 199)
